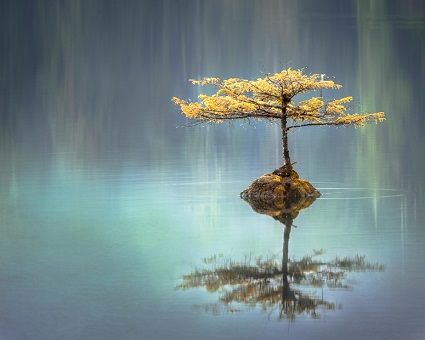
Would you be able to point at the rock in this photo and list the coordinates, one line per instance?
(271, 186)
(274, 195)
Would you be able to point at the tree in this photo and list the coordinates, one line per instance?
(273, 98)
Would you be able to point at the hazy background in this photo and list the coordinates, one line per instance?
(93, 75)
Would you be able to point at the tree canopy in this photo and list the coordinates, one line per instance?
(272, 97)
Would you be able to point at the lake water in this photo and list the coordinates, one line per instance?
(95, 250)
(105, 206)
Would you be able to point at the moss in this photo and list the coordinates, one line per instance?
(275, 186)
(277, 195)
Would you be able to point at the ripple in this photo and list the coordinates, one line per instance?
(358, 193)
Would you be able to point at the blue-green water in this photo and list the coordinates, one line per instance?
(95, 250)
(105, 205)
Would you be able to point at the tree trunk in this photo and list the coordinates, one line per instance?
(286, 159)
(288, 297)
(287, 231)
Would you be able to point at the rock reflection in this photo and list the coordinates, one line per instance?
(288, 287)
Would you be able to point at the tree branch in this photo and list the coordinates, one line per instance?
(319, 124)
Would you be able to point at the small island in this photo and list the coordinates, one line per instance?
(284, 184)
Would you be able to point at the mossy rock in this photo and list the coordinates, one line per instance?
(273, 195)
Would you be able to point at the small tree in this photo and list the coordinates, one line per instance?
(273, 98)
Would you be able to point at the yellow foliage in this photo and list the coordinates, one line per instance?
(359, 120)
(273, 97)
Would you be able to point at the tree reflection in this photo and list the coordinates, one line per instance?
(289, 287)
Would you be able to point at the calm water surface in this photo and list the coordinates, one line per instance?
(96, 250)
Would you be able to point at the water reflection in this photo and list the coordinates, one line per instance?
(289, 287)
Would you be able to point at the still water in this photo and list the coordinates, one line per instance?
(96, 250)
(106, 207)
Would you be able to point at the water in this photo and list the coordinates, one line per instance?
(105, 205)
(96, 250)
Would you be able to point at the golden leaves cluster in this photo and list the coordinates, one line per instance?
(272, 97)
(359, 120)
